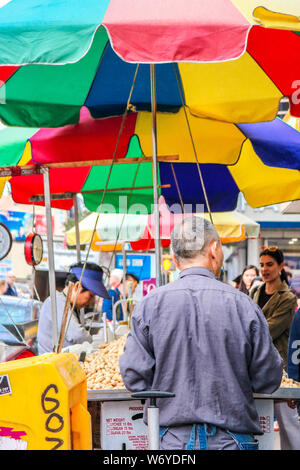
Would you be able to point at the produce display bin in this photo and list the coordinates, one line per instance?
(43, 404)
(117, 422)
(99, 400)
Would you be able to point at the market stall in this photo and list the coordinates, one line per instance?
(56, 105)
(104, 55)
(55, 179)
(117, 417)
(259, 171)
(114, 417)
(32, 186)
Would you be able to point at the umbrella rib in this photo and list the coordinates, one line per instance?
(119, 231)
(196, 157)
(69, 195)
(193, 144)
(123, 218)
(37, 169)
(177, 187)
(104, 192)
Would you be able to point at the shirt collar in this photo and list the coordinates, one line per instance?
(197, 270)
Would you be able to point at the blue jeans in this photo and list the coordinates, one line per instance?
(218, 438)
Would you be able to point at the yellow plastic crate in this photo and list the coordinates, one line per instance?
(43, 404)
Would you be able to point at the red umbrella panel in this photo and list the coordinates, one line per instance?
(262, 160)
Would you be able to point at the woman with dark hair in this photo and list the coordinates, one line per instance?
(278, 304)
(275, 298)
(249, 272)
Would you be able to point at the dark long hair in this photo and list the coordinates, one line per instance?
(243, 287)
(277, 255)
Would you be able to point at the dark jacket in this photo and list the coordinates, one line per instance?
(107, 306)
(279, 312)
(11, 291)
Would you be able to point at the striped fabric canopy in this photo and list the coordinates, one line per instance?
(96, 44)
(260, 159)
(138, 229)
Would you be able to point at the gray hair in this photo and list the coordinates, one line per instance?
(191, 237)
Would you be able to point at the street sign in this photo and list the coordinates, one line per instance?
(142, 265)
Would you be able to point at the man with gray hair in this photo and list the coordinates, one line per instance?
(206, 342)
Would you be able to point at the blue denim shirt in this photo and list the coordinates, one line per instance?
(209, 344)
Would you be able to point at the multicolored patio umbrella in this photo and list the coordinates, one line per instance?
(138, 229)
(83, 41)
(262, 160)
(95, 46)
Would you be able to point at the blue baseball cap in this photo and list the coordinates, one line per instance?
(92, 280)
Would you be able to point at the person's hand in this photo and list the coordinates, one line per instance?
(292, 403)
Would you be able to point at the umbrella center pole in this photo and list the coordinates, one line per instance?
(155, 179)
(51, 267)
(124, 266)
(76, 216)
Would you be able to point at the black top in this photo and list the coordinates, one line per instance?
(263, 297)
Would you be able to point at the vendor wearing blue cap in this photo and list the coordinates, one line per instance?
(85, 287)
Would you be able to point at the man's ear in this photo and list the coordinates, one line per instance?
(213, 249)
(76, 286)
(175, 261)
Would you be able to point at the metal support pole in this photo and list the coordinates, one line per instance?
(105, 328)
(153, 428)
(51, 267)
(155, 179)
(124, 261)
(153, 414)
(77, 228)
